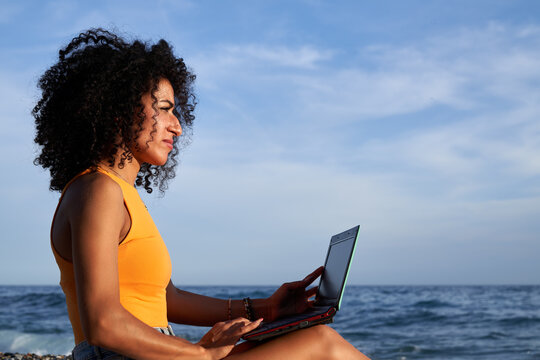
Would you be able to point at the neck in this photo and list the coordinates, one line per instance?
(128, 172)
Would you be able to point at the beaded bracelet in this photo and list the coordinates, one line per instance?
(229, 311)
(248, 308)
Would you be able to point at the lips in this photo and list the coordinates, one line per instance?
(169, 143)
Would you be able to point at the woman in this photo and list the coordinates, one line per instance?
(110, 117)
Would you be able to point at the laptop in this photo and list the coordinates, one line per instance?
(329, 295)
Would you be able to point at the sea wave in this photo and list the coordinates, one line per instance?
(385, 322)
(431, 304)
(40, 344)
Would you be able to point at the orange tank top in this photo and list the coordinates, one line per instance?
(144, 266)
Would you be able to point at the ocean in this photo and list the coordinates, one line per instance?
(384, 322)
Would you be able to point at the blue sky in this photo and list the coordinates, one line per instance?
(417, 120)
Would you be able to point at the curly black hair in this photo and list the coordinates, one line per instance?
(91, 106)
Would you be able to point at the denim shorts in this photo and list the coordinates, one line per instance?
(85, 351)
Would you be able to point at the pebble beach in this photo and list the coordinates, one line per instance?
(17, 356)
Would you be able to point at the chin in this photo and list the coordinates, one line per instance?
(159, 162)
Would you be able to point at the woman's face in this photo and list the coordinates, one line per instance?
(155, 141)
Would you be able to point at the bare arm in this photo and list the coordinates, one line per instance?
(184, 307)
(96, 219)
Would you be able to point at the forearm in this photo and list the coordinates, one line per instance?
(184, 307)
(121, 332)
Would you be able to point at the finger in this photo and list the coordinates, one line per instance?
(239, 319)
(255, 324)
(314, 275)
(217, 328)
(227, 325)
(238, 329)
(311, 292)
(238, 322)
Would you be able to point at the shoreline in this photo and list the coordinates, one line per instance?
(30, 356)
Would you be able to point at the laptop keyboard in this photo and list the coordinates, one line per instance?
(293, 318)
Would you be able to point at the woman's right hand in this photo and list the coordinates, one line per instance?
(220, 340)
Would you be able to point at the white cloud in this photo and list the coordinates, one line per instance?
(304, 57)
(458, 69)
(356, 94)
(216, 68)
(528, 31)
(482, 156)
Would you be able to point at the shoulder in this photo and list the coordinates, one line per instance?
(94, 191)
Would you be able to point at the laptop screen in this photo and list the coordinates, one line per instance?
(336, 268)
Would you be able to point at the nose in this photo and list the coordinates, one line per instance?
(174, 126)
